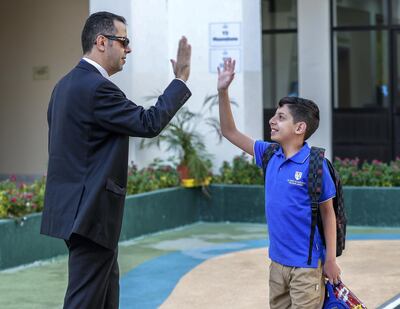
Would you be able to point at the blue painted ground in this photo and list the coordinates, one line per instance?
(148, 285)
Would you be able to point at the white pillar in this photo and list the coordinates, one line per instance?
(124, 79)
(252, 64)
(314, 65)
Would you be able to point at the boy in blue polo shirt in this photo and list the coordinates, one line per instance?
(293, 283)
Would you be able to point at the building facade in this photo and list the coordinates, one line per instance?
(343, 54)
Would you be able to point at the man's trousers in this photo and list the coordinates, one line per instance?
(93, 275)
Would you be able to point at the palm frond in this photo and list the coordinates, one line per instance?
(214, 123)
(212, 100)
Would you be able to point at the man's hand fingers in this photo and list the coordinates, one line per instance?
(184, 49)
(183, 41)
(184, 53)
(173, 63)
(182, 63)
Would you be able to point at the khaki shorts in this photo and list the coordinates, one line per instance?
(296, 288)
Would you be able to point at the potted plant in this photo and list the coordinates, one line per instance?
(181, 135)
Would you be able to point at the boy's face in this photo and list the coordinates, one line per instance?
(283, 128)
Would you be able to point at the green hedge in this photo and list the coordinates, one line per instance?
(21, 243)
(17, 200)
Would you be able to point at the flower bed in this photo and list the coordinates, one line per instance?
(17, 200)
(144, 213)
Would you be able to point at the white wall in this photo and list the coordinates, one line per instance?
(156, 26)
(45, 33)
(51, 37)
(314, 65)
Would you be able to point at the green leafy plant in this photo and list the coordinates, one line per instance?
(242, 170)
(395, 166)
(375, 173)
(182, 137)
(157, 175)
(17, 200)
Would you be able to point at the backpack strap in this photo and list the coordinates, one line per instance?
(267, 155)
(314, 190)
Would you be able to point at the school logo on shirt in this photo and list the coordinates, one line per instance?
(297, 180)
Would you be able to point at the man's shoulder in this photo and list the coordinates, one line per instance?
(81, 77)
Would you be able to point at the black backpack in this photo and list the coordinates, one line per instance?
(314, 190)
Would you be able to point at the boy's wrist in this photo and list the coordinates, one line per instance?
(330, 259)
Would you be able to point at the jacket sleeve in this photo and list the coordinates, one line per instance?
(115, 113)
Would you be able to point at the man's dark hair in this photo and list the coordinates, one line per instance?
(98, 23)
(303, 110)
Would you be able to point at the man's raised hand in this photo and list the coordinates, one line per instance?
(181, 65)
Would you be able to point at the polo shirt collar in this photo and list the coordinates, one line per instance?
(301, 155)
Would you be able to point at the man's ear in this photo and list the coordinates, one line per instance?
(301, 128)
(100, 43)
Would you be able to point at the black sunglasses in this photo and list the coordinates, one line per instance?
(123, 40)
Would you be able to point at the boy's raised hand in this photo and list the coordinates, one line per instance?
(226, 75)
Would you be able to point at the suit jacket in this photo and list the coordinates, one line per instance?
(90, 121)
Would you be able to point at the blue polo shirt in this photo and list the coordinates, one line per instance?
(288, 206)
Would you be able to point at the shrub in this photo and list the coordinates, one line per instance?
(242, 171)
(17, 200)
(156, 176)
(375, 173)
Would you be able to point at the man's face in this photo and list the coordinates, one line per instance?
(115, 52)
(282, 125)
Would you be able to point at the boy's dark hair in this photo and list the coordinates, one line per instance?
(303, 110)
(98, 23)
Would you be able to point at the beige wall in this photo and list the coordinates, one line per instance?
(33, 33)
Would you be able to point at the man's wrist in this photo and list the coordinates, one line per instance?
(184, 78)
(181, 79)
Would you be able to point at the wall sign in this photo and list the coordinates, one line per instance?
(225, 42)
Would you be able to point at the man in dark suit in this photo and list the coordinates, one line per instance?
(90, 121)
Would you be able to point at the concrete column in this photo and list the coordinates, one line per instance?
(124, 79)
(314, 65)
(252, 64)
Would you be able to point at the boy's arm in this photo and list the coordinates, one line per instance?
(228, 127)
(331, 269)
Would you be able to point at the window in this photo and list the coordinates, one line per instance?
(361, 69)
(279, 14)
(280, 67)
(360, 42)
(360, 13)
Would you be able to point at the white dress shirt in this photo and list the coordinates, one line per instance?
(98, 67)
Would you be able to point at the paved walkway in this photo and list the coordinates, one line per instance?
(209, 266)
